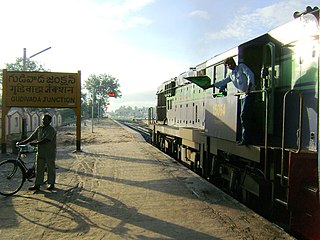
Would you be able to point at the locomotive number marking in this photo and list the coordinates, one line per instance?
(219, 110)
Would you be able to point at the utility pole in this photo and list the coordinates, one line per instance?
(25, 56)
(24, 59)
(92, 108)
(24, 123)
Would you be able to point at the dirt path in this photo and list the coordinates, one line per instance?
(119, 187)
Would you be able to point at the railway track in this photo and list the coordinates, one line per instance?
(138, 126)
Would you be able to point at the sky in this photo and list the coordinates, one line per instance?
(142, 43)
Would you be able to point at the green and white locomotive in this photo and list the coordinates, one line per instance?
(278, 174)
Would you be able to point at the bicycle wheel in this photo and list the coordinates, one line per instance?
(11, 177)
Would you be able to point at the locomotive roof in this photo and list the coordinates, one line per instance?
(305, 26)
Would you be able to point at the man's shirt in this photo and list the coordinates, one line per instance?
(47, 149)
(241, 77)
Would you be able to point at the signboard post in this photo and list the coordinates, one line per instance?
(41, 89)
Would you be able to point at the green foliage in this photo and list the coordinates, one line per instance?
(18, 66)
(68, 115)
(125, 112)
(30, 66)
(85, 106)
(99, 86)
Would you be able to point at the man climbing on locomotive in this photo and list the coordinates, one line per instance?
(243, 79)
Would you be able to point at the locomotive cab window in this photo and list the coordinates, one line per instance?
(230, 89)
(219, 74)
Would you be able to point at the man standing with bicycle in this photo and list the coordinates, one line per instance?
(44, 137)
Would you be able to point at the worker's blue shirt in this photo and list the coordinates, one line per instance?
(241, 77)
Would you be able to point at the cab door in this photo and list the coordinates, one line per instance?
(221, 107)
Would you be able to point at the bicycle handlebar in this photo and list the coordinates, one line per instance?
(23, 148)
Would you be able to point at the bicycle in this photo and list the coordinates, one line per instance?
(14, 172)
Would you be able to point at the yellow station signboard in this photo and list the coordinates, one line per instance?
(41, 89)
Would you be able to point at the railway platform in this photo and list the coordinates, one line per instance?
(120, 187)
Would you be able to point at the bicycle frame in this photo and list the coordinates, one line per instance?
(14, 172)
(21, 162)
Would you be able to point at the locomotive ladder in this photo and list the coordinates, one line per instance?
(284, 178)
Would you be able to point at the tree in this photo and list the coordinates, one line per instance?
(100, 86)
(29, 66)
(19, 65)
(129, 112)
(85, 106)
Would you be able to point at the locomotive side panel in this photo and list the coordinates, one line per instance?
(306, 76)
(299, 75)
(198, 107)
(221, 116)
(186, 107)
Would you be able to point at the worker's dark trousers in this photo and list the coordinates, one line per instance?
(40, 168)
(247, 104)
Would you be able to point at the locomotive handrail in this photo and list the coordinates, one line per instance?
(242, 93)
(283, 131)
(265, 127)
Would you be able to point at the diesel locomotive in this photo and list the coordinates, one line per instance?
(278, 173)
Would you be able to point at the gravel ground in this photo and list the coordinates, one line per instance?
(120, 187)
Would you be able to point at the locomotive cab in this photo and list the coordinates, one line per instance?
(285, 63)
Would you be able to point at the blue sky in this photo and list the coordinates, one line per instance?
(141, 42)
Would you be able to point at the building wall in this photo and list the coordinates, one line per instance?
(13, 122)
(33, 120)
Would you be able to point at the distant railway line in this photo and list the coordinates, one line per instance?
(139, 127)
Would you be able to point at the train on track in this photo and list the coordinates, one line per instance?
(278, 174)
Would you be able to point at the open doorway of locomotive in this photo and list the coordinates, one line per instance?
(260, 56)
(263, 56)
